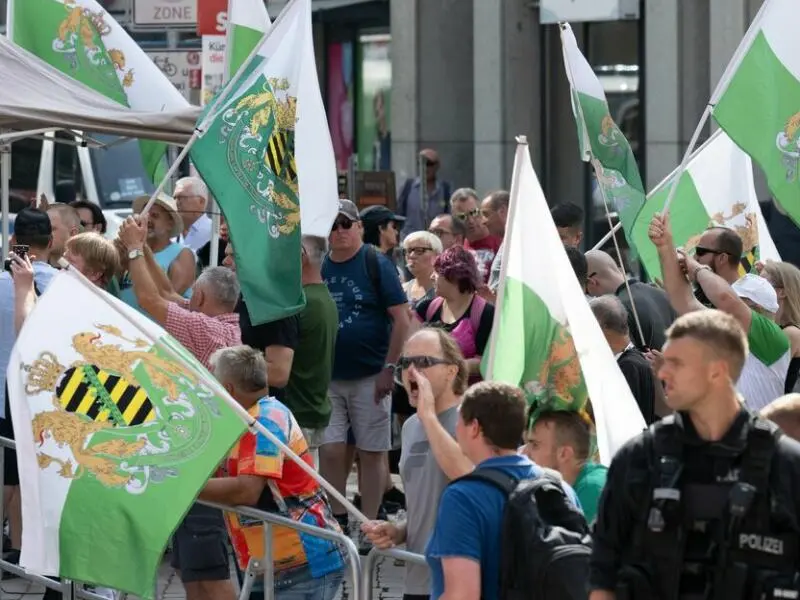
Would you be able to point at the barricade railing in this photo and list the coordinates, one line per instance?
(371, 561)
(70, 591)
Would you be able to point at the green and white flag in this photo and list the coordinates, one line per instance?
(758, 104)
(80, 39)
(601, 141)
(545, 338)
(715, 190)
(248, 21)
(268, 159)
(117, 430)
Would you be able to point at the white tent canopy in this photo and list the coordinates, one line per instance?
(34, 95)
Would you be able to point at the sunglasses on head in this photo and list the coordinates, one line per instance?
(475, 212)
(700, 251)
(343, 223)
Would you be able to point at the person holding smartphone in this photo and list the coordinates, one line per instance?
(33, 232)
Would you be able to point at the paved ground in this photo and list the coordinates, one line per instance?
(387, 582)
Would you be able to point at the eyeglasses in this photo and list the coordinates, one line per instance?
(700, 251)
(475, 212)
(344, 224)
(416, 251)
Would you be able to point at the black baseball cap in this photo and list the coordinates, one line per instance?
(31, 222)
(379, 214)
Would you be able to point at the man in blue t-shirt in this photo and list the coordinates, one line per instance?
(465, 548)
(373, 325)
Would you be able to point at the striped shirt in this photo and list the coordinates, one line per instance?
(764, 374)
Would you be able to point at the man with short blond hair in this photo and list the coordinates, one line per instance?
(65, 222)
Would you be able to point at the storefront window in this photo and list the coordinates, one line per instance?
(373, 126)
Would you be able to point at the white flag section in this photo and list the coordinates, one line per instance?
(717, 189)
(117, 427)
(248, 21)
(543, 321)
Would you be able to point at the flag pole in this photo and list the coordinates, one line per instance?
(252, 423)
(213, 259)
(598, 171)
(213, 111)
(522, 146)
(607, 236)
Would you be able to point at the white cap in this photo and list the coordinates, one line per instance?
(758, 290)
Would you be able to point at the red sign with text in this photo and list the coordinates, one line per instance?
(212, 18)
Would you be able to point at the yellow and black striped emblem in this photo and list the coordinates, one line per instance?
(748, 261)
(280, 155)
(101, 396)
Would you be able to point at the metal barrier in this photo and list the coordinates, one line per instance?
(70, 591)
(372, 560)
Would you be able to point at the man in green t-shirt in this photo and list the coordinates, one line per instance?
(562, 441)
(306, 393)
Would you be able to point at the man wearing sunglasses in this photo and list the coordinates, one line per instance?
(720, 249)
(465, 207)
(373, 324)
(751, 300)
(423, 197)
(434, 374)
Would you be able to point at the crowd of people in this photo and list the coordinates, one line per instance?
(385, 357)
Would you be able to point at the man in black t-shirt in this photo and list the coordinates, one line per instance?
(277, 340)
(652, 304)
(613, 319)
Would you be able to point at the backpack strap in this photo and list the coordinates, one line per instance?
(476, 312)
(402, 199)
(762, 441)
(434, 305)
(505, 483)
(374, 271)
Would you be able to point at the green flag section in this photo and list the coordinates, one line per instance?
(759, 107)
(715, 190)
(268, 159)
(248, 21)
(80, 39)
(117, 430)
(601, 141)
(545, 338)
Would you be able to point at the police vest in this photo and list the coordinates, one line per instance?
(716, 540)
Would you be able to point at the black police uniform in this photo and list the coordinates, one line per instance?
(683, 518)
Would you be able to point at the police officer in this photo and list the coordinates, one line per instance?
(705, 504)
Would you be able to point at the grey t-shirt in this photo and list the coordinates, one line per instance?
(423, 484)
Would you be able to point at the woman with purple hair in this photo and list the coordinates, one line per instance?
(457, 307)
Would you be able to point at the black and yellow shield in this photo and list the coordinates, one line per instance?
(101, 396)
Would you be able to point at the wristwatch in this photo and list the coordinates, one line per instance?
(701, 268)
(135, 253)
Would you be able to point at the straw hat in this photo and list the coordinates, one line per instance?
(168, 204)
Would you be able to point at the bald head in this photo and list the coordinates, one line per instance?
(785, 413)
(604, 276)
(430, 154)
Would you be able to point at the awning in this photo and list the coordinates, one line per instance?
(35, 95)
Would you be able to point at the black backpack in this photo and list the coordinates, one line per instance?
(546, 541)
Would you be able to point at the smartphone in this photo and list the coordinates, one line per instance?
(20, 250)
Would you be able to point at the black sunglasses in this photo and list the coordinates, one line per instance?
(419, 362)
(700, 251)
(344, 224)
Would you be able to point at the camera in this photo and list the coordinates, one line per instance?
(20, 250)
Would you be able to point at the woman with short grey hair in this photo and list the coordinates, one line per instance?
(420, 249)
